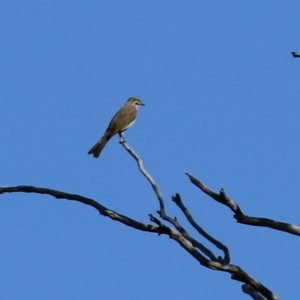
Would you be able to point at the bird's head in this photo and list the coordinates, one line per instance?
(135, 101)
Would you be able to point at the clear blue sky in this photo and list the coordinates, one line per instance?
(222, 94)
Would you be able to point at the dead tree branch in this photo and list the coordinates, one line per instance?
(101, 208)
(296, 54)
(239, 215)
(177, 199)
(247, 289)
(179, 234)
(190, 244)
(162, 212)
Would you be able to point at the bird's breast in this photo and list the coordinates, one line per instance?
(129, 125)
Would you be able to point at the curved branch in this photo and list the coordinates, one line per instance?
(189, 243)
(239, 215)
(180, 236)
(73, 197)
(236, 272)
(143, 171)
(218, 244)
(162, 212)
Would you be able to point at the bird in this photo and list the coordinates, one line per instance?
(296, 54)
(122, 120)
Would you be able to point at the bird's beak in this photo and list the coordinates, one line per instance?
(143, 104)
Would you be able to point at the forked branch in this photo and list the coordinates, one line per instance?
(178, 234)
(190, 244)
(238, 213)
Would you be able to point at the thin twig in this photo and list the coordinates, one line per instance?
(157, 191)
(144, 172)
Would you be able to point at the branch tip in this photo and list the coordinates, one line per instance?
(296, 54)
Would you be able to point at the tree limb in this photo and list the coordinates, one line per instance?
(177, 199)
(239, 215)
(247, 289)
(179, 235)
(73, 197)
(162, 212)
(236, 272)
(296, 54)
(189, 243)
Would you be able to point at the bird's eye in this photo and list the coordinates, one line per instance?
(136, 103)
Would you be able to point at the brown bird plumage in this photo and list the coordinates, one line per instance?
(121, 121)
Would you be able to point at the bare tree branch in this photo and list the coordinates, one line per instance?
(180, 235)
(190, 244)
(218, 244)
(162, 212)
(236, 272)
(144, 172)
(239, 215)
(296, 54)
(73, 197)
(247, 289)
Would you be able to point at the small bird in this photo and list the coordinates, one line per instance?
(122, 120)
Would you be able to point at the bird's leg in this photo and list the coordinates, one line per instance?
(122, 138)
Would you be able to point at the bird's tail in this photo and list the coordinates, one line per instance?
(97, 148)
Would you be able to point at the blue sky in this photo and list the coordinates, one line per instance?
(222, 101)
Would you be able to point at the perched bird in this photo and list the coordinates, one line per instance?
(296, 54)
(121, 121)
